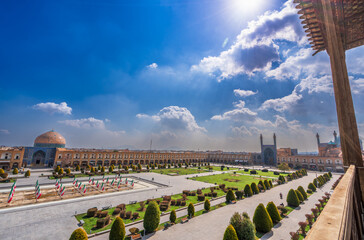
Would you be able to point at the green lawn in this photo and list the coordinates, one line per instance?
(90, 223)
(179, 171)
(260, 173)
(229, 179)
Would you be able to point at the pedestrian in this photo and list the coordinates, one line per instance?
(281, 196)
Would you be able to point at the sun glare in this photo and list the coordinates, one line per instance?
(246, 7)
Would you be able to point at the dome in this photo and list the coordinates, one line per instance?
(50, 139)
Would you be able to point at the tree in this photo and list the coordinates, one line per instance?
(151, 217)
(117, 231)
(230, 196)
(191, 210)
(78, 168)
(1, 171)
(173, 216)
(230, 233)
(15, 171)
(103, 169)
(248, 192)
(207, 205)
(27, 173)
(255, 188)
(79, 234)
(292, 199)
(273, 212)
(262, 220)
(302, 191)
(283, 167)
(60, 171)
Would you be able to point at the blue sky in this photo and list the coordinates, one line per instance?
(192, 74)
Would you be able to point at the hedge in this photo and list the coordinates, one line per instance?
(239, 194)
(248, 192)
(79, 234)
(255, 188)
(273, 212)
(292, 199)
(230, 233)
(262, 220)
(151, 217)
(117, 231)
(302, 191)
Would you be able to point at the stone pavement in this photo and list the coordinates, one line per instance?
(290, 224)
(58, 222)
(212, 225)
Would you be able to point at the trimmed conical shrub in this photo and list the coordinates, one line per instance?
(248, 192)
(230, 196)
(191, 210)
(312, 187)
(302, 191)
(244, 228)
(255, 188)
(173, 216)
(299, 195)
(79, 234)
(262, 220)
(230, 233)
(117, 231)
(292, 199)
(273, 212)
(261, 185)
(151, 217)
(266, 184)
(207, 205)
(270, 183)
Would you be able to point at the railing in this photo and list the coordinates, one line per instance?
(341, 217)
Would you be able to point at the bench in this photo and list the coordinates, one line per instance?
(106, 207)
(183, 220)
(233, 202)
(132, 202)
(136, 236)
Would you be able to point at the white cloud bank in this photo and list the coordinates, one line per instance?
(86, 123)
(175, 118)
(51, 108)
(244, 93)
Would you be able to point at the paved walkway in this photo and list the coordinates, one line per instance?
(290, 224)
(46, 222)
(212, 225)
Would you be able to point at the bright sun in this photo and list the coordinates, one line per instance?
(247, 7)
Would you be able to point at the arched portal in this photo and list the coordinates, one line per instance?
(268, 156)
(38, 159)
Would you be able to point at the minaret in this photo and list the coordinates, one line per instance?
(318, 139)
(275, 140)
(335, 138)
(261, 140)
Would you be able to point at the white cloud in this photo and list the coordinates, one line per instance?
(244, 93)
(51, 107)
(86, 123)
(4, 131)
(302, 64)
(240, 113)
(152, 66)
(316, 84)
(254, 49)
(175, 118)
(357, 85)
(282, 104)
